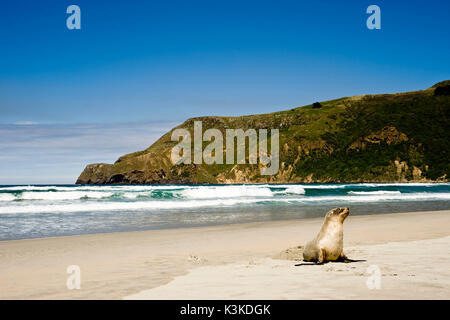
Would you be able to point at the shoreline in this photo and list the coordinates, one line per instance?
(116, 265)
(293, 219)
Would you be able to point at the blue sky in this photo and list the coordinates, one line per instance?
(143, 66)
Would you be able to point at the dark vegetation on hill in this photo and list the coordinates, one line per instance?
(370, 138)
(442, 91)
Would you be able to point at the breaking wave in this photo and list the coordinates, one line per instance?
(54, 210)
(63, 199)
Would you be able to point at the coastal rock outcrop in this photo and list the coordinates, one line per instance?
(369, 138)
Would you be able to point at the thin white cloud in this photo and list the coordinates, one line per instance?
(25, 123)
(58, 153)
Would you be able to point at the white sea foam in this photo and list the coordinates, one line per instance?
(125, 188)
(93, 188)
(291, 189)
(373, 192)
(380, 197)
(43, 199)
(122, 206)
(372, 185)
(36, 188)
(233, 191)
(324, 186)
(7, 197)
(412, 184)
(134, 195)
(70, 195)
(183, 204)
(129, 195)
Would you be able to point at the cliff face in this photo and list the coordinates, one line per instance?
(370, 138)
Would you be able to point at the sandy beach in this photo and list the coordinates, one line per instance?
(242, 261)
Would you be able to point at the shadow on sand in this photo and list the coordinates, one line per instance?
(337, 261)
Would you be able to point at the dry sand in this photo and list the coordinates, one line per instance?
(243, 261)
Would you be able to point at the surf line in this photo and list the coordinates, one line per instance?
(213, 152)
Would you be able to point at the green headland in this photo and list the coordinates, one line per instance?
(401, 137)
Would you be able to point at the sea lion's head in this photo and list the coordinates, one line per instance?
(338, 214)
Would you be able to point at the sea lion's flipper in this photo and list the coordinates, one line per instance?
(343, 258)
(347, 260)
(322, 256)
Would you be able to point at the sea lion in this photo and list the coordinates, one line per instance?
(329, 243)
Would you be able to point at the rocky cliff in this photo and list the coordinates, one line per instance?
(369, 138)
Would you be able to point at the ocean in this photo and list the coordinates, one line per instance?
(37, 211)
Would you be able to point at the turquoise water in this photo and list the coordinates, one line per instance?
(48, 211)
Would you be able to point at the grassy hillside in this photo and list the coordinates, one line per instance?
(368, 138)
